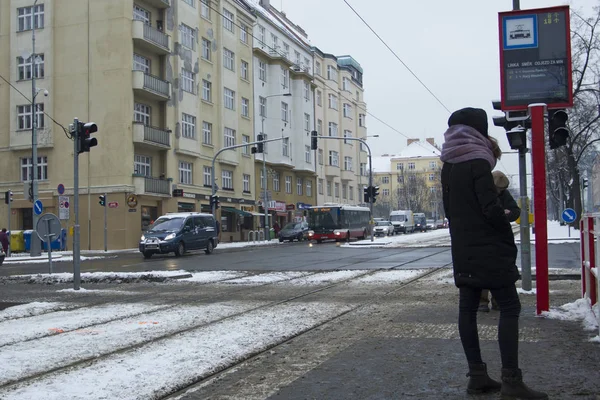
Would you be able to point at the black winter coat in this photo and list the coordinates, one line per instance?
(483, 246)
(509, 203)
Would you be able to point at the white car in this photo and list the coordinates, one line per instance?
(383, 228)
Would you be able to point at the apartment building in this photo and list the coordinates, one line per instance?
(410, 180)
(284, 99)
(168, 82)
(340, 112)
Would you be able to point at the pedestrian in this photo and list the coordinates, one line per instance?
(479, 228)
(512, 211)
(276, 228)
(4, 240)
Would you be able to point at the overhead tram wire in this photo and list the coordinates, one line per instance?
(396, 55)
(69, 136)
(251, 34)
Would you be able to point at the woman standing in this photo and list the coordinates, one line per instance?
(483, 250)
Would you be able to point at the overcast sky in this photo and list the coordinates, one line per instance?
(452, 46)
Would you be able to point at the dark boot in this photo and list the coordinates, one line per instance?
(513, 387)
(479, 381)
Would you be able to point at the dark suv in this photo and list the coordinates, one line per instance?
(179, 232)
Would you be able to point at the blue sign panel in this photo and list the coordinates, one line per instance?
(38, 207)
(569, 215)
(61, 188)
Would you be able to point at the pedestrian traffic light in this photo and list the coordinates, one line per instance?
(102, 201)
(214, 201)
(517, 138)
(367, 194)
(8, 196)
(313, 143)
(557, 128)
(374, 192)
(253, 150)
(260, 147)
(84, 132)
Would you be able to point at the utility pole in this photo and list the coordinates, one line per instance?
(265, 182)
(76, 245)
(35, 249)
(105, 218)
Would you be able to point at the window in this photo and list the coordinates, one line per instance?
(246, 183)
(188, 126)
(190, 2)
(351, 192)
(188, 36)
(336, 188)
(411, 166)
(262, 179)
(229, 137)
(412, 178)
(228, 20)
(206, 50)
(400, 178)
(261, 34)
(333, 129)
(344, 191)
(245, 107)
(320, 156)
(141, 63)
(318, 71)
(363, 169)
(319, 127)
(245, 140)
(262, 108)
(432, 164)
(244, 70)
(347, 110)
(24, 67)
(229, 99)
(309, 188)
(347, 134)
(275, 42)
(188, 80)
(333, 101)
(307, 153)
(334, 158)
(285, 147)
(228, 59)
(286, 50)
(329, 184)
(206, 89)
(185, 173)
(331, 73)
(227, 179)
(24, 116)
(307, 63)
(361, 119)
(25, 15)
(285, 77)
(385, 192)
(262, 71)
(141, 14)
(142, 165)
(399, 166)
(306, 122)
(319, 101)
(207, 173)
(27, 168)
(284, 111)
(346, 84)
(288, 184)
(306, 91)
(320, 186)
(205, 9)
(244, 33)
(348, 163)
(385, 180)
(431, 177)
(299, 186)
(276, 182)
(206, 132)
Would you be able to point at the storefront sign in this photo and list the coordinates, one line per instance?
(278, 206)
(189, 195)
(302, 206)
(290, 207)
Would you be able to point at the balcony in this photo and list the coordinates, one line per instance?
(274, 54)
(151, 136)
(152, 186)
(151, 86)
(160, 4)
(150, 38)
(302, 70)
(347, 175)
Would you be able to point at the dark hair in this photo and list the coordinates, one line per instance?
(4, 230)
(495, 148)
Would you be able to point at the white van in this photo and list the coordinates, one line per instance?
(403, 221)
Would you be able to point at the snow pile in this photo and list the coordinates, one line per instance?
(99, 277)
(32, 309)
(579, 310)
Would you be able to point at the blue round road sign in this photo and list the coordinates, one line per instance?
(569, 215)
(38, 207)
(61, 188)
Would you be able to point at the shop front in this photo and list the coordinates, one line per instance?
(301, 211)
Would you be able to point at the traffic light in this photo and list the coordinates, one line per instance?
(214, 201)
(313, 140)
(253, 150)
(367, 194)
(84, 132)
(375, 192)
(260, 147)
(557, 128)
(102, 201)
(8, 197)
(515, 123)
(584, 183)
(517, 137)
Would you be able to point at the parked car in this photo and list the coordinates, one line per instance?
(431, 224)
(420, 222)
(441, 223)
(383, 228)
(294, 231)
(179, 232)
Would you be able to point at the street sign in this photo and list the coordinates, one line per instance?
(60, 188)
(63, 207)
(569, 215)
(113, 204)
(535, 58)
(48, 227)
(38, 207)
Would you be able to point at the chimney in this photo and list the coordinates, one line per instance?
(411, 141)
(431, 141)
(265, 4)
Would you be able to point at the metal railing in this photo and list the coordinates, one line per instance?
(156, 135)
(156, 84)
(156, 185)
(155, 36)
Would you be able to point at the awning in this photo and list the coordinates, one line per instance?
(236, 211)
(257, 214)
(281, 214)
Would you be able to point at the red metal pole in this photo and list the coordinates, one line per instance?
(592, 260)
(538, 154)
(582, 226)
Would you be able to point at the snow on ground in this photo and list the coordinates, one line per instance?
(579, 310)
(31, 309)
(56, 257)
(269, 277)
(98, 277)
(155, 369)
(213, 276)
(389, 277)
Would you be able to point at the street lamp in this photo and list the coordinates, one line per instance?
(35, 249)
(265, 191)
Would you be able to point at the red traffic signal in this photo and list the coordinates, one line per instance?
(84, 132)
